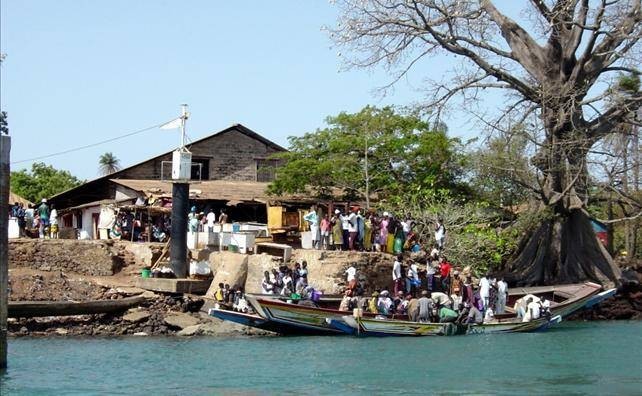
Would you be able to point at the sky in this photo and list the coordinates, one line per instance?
(78, 72)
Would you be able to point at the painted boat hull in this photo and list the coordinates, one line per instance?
(308, 320)
(577, 296)
(364, 327)
(250, 320)
(598, 298)
(288, 318)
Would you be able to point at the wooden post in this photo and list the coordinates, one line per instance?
(5, 149)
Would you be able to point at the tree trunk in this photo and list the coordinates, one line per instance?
(561, 250)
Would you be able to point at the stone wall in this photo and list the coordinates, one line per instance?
(232, 156)
(326, 269)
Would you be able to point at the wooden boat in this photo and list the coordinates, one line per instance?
(564, 299)
(289, 318)
(248, 319)
(375, 327)
(31, 309)
(308, 319)
(598, 298)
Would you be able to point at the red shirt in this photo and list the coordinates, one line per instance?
(444, 269)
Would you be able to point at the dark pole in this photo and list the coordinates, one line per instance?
(5, 149)
(178, 244)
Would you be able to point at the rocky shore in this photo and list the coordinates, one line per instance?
(160, 315)
(107, 271)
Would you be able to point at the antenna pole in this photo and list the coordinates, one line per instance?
(183, 119)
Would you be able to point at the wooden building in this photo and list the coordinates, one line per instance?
(230, 169)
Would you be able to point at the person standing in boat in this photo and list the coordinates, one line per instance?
(384, 303)
(426, 306)
(484, 291)
(502, 295)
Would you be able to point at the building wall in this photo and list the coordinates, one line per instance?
(232, 156)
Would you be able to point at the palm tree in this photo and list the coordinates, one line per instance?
(108, 163)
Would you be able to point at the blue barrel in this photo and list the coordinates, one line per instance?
(236, 227)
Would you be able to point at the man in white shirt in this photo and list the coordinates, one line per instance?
(396, 274)
(352, 229)
(412, 277)
(484, 290)
(345, 227)
(533, 310)
(211, 219)
(351, 272)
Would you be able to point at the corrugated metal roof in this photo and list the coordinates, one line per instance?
(13, 198)
(223, 190)
(217, 190)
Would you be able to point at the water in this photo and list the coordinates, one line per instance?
(575, 358)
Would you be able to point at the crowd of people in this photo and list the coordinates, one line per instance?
(201, 222)
(367, 231)
(286, 282)
(232, 297)
(438, 293)
(43, 217)
(291, 283)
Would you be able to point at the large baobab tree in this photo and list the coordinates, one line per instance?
(556, 62)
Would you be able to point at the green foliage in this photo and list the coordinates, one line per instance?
(473, 233)
(402, 152)
(629, 83)
(43, 181)
(108, 163)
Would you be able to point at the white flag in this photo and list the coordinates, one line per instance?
(173, 124)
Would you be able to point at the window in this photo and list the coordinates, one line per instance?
(265, 170)
(200, 169)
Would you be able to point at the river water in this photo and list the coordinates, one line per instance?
(579, 358)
